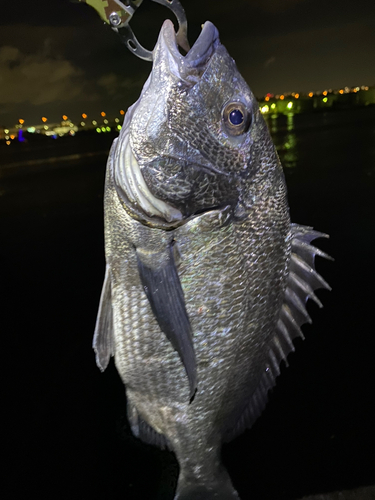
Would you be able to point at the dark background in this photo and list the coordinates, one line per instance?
(57, 57)
(66, 434)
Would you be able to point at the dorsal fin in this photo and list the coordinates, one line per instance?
(301, 283)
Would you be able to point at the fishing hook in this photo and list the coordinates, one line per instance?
(118, 15)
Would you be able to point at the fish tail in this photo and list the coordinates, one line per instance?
(220, 489)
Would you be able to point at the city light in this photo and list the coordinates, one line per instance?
(20, 136)
(269, 103)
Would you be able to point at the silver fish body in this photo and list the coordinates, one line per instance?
(206, 279)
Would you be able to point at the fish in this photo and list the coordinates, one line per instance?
(206, 278)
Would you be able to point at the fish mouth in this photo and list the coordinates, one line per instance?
(192, 65)
(169, 67)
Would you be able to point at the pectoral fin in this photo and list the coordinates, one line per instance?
(103, 336)
(164, 292)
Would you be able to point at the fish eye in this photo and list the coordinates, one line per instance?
(236, 117)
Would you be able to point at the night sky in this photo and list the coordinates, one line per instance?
(57, 57)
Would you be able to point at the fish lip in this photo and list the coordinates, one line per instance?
(204, 46)
(167, 39)
(197, 57)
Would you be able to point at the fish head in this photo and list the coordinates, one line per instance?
(194, 131)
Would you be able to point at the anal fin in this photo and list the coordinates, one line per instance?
(103, 335)
(142, 430)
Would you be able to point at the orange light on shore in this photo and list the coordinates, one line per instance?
(103, 114)
(341, 91)
(122, 112)
(267, 98)
(282, 97)
(64, 117)
(311, 94)
(21, 121)
(84, 116)
(44, 119)
(296, 96)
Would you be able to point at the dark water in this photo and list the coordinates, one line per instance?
(66, 435)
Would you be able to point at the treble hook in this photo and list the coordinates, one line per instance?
(118, 14)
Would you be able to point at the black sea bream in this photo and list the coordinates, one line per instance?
(206, 279)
